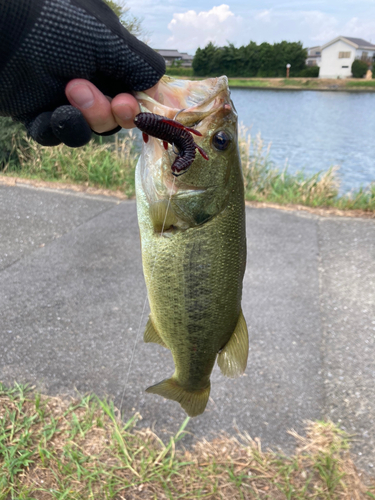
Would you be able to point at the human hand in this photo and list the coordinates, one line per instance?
(102, 113)
(50, 42)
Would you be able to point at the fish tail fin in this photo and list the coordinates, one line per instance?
(232, 359)
(193, 402)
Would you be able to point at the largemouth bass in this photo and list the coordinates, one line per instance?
(193, 241)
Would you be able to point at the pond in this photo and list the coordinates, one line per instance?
(313, 130)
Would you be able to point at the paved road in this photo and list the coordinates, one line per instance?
(72, 295)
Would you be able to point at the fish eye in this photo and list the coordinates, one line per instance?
(221, 140)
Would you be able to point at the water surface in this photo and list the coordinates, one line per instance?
(313, 130)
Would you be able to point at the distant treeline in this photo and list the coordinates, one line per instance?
(264, 60)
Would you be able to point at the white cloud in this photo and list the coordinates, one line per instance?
(358, 28)
(264, 15)
(192, 29)
(186, 25)
(274, 25)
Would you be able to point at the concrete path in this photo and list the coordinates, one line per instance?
(72, 295)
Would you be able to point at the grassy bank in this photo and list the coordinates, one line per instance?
(111, 166)
(80, 450)
(300, 83)
(303, 83)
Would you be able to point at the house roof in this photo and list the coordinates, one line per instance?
(187, 56)
(174, 53)
(357, 43)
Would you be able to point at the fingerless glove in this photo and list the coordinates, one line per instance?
(46, 43)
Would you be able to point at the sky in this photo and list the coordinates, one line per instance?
(186, 25)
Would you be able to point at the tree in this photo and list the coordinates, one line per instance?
(132, 23)
(264, 60)
(359, 68)
(206, 60)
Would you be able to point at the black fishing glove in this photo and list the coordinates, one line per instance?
(46, 43)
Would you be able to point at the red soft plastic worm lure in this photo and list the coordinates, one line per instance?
(172, 132)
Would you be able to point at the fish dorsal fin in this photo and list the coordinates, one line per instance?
(232, 359)
(151, 335)
(193, 402)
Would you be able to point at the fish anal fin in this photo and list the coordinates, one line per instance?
(193, 402)
(151, 335)
(232, 359)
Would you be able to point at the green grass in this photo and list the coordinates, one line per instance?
(237, 82)
(361, 83)
(276, 83)
(300, 83)
(52, 448)
(176, 71)
(110, 165)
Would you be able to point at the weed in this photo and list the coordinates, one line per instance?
(115, 460)
(110, 165)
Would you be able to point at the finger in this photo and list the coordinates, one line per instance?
(153, 92)
(93, 105)
(124, 108)
(41, 131)
(70, 127)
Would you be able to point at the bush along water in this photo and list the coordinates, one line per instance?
(359, 68)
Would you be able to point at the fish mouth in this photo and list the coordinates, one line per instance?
(189, 102)
(195, 104)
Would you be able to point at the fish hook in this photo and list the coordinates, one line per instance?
(178, 112)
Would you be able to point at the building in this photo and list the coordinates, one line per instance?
(179, 58)
(313, 56)
(337, 56)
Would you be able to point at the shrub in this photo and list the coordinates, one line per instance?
(359, 68)
(12, 136)
(175, 71)
(310, 72)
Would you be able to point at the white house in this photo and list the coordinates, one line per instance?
(313, 56)
(337, 56)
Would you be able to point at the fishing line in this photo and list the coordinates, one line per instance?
(145, 302)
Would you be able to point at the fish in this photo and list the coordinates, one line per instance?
(193, 241)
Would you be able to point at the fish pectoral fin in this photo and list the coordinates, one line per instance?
(232, 359)
(151, 335)
(193, 402)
